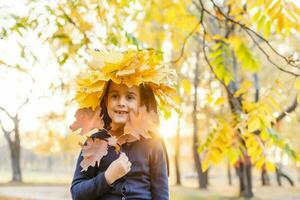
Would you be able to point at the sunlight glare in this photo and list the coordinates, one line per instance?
(168, 127)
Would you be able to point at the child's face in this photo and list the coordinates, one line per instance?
(120, 101)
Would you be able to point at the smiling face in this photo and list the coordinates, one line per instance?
(120, 101)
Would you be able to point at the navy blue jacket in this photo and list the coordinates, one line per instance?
(147, 179)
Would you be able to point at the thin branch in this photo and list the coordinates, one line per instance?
(27, 99)
(204, 44)
(290, 109)
(184, 43)
(283, 114)
(6, 113)
(6, 133)
(243, 26)
(267, 55)
(247, 29)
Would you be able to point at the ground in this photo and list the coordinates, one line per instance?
(55, 186)
(61, 192)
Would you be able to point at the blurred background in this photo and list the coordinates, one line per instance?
(235, 133)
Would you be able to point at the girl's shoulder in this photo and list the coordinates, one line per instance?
(152, 143)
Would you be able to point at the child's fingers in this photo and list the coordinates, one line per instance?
(123, 156)
(129, 164)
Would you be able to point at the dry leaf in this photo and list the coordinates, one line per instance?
(87, 120)
(126, 138)
(93, 152)
(141, 123)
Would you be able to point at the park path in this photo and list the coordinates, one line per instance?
(46, 192)
(36, 192)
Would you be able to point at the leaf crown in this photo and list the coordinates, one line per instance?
(132, 67)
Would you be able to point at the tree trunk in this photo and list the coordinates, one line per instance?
(245, 177)
(244, 166)
(15, 161)
(229, 176)
(49, 163)
(177, 153)
(202, 176)
(265, 179)
(15, 155)
(280, 174)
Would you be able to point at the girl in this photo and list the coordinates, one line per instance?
(126, 158)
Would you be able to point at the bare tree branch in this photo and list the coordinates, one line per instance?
(290, 109)
(268, 56)
(26, 100)
(6, 133)
(7, 113)
(283, 114)
(247, 29)
(204, 44)
(184, 43)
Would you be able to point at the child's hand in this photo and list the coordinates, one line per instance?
(117, 169)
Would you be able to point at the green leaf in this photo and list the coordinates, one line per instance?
(267, 29)
(261, 22)
(131, 38)
(256, 16)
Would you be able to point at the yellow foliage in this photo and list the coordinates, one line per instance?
(246, 85)
(186, 86)
(297, 84)
(282, 15)
(270, 166)
(218, 145)
(219, 101)
(243, 54)
(260, 162)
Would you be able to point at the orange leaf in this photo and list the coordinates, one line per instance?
(141, 123)
(93, 152)
(87, 120)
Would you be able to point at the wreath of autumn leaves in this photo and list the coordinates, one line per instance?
(133, 67)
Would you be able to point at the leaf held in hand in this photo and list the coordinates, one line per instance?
(93, 152)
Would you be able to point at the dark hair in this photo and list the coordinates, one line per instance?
(147, 99)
